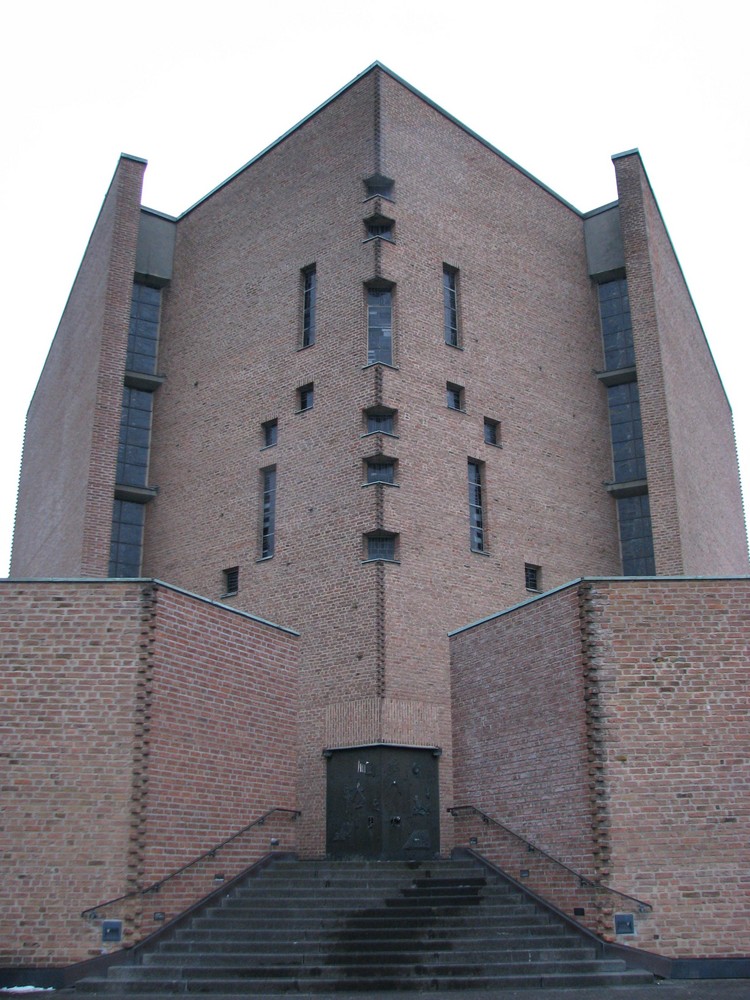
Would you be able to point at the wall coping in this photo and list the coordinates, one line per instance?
(591, 579)
(141, 581)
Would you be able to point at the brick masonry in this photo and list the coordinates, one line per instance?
(629, 762)
(696, 506)
(374, 656)
(64, 514)
(111, 689)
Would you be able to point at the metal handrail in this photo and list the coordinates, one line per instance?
(583, 880)
(91, 914)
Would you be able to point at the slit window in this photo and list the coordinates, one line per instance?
(476, 506)
(309, 302)
(270, 433)
(450, 305)
(268, 522)
(231, 580)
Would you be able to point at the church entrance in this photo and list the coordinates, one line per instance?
(382, 802)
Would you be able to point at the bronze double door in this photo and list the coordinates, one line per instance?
(382, 802)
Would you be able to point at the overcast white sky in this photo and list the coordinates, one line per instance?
(199, 89)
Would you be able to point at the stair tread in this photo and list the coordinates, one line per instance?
(380, 925)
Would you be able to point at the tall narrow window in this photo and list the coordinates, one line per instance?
(450, 305)
(476, 507)
(270, 430)
(454, 396)
(492, 431)
(309, 295)
(305, 397)
(268, 527)
(231, 580)
(379, 326)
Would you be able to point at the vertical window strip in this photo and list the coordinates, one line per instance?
(145, 305)
(450, 305)
(379, 326)
(309, 302)
(268, 529)
(476, 507)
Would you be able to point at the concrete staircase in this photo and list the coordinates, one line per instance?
(329, 926)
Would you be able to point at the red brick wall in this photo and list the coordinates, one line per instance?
(614, 715)
(66, 490)
(222, 727)
(519, 725)
(141, 726)
(694, 488)
(375, 662)
(671, 659)
(69, 657)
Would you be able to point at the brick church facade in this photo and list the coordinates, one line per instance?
(377, 386)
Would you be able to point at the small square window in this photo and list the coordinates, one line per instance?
(381, 546)
(231, 580)
(533, 576)
(270, 430)
(491, 431)
(378, 185)
(379, 225)
(454, 396)
(380, 420)
(381, 470)
(305, 397)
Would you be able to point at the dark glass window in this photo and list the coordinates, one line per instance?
(231, 580)
(380, 226)
(135, 435)
(491, 431)
(379, 326)
(270, 433)
(309, 296)
(636, 540)
(379, 185)
(628, 456)
(454, 395)
(450, 305)
(476, 506)
(144, 329)
(268, 528)
(127, 539)
(380, 421)
(617, 330)
(381, 547)
(381, 470)
(306, 396)
(533, 577)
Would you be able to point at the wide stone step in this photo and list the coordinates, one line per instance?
(377, 957)
(320, 927)
(542, 936)
(380, 983)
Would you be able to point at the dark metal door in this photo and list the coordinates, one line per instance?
(382, 802)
